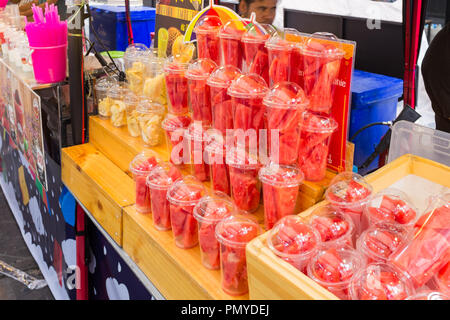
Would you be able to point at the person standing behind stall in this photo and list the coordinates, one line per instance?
(264, 9)
(436, 76)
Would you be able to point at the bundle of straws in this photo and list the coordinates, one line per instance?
(46, 31)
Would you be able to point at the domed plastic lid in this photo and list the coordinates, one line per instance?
(163, 175)
(186, 191)
(118, 90)
(237, 230)
(208, 24)
(292, 236)
(222, 77)
(429, 295)
(240, 158)
(348, 188)
(316, 46)
(131, 98)
(144, 162)
(331, 224)
(105, 83)
(176, 65)
(233, 29)
(381, 240)
(248, 86)
(281, 175)
(380, 281)
(334, 267)
(258, 33)
(172, 123)
(197, 132)
(213, 208)
(137, 51)
(317, 123)
(286, 95)
(277, 42)
(147, 106)
(200, 69)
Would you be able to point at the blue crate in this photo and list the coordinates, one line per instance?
(109, 23)
(374, 99)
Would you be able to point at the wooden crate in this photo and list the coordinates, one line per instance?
(272, 278)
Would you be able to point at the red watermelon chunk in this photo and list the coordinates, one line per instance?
(279, 69)
(245, 188)
(443, 278)
(222, 109)
(231, 52)
(330, 228)
(200, 101)
(384, 285)
(142, 195)
(279, 202)
(208, 46)
(177, 91)
(381, 244)
(184, 226)
(220, 178)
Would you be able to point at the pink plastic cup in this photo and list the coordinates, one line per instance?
(49, 63)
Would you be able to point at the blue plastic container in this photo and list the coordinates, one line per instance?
(110, 24)
(374, 99)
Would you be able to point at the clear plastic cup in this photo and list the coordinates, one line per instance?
(208, 212)
(177, 86)
(219, 81)
(428, 251)
(334, 268)
(294, 241)
(174, 127)
(155, 84)
(135, 58)
(102, 101)
(349, 192)
(256, 57)
(296, 40)
(280, 56)
(380, 281)
(159, 180)
(216, 151)
(335, 228)
(131, 101)
(280, 185)
(378, 242)
(118, 110)
(207, 32)
(285, 104)
(150, 116)
(197, 139)
(390, 205)
(245, 184)
(230, 35)
(315, 138)
(199, 95)
(140, 167)
(247, 93)
(322, 57)
(183, 196)
(429, 295)
(233, 234)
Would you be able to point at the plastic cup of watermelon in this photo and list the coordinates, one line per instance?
(233, 234)
(177, 86)
(294, 241)
(208, 42)
(315, 137)
(429, 295)
(197, 139)
(322, 57)
(336, 229)
(441, 280)
(380, 281)
(219, 82)
(280, 185)
(285, 104)
(245, 184)
(230, 36)
(183, 196)
(199, 95)
(160, 179)
(218, 169)
(140, 167)
(174, 128)
(349, 192)
(280, 57)
(247, 93)
(378, 242)
(209, 212)
(256, 57)
(428, 251)
(390, 205)
(334, 268)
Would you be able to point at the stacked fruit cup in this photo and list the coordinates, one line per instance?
(233, 234)
(231, 51)
(159, 180)
(102, 102)
(199, 95)
(183, 196)
(177, 86)
(140, 167)
(208, 212)
(196, 136)
(135, 58)
(218, 82)
(216, 154)
(150, 115)
(280, 53)
(174, 127)
(208, 42)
